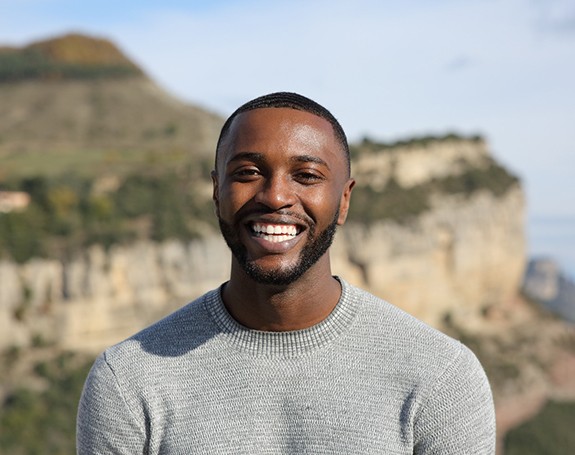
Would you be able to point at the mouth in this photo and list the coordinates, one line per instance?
(275, 233)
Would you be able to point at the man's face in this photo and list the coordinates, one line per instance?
(281, 187)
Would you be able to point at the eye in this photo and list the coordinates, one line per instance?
(308, 177)
(246, 173)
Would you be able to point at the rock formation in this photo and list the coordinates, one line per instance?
(458, 258)
(545, 283)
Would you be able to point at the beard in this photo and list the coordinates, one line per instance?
(313, 250)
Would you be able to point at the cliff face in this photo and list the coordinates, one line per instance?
(545, 283)
(460, 257)
(100, 296)
(459, 250)
(418, 161)
(463, 257)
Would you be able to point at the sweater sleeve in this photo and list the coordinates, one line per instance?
(105, 424)
(458, 417)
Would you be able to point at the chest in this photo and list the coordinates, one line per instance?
(287, 407)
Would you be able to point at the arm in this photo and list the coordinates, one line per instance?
(458, 416)
(105, 423)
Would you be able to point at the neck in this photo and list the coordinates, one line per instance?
(299, 305)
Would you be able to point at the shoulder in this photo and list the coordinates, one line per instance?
(387, 324)
(182, 331)
(446, 380)
(408, 348)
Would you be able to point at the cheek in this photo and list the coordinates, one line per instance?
(233, 198)
(322, 206)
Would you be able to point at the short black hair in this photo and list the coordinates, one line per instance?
(292, 101)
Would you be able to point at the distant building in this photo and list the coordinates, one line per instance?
(13, 200)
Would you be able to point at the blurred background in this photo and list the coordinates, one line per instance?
(460, 115)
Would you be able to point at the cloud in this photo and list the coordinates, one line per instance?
(555, 16)
(459, 63)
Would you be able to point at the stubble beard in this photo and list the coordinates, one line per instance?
(310, 254)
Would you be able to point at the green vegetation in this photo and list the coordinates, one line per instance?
(90, 163)
(66, 214)
(401, 204)
(68, 57)
(42, 420)
(33, 64)
(392, 203)
(494, 178)
(369, 145)
(550, 432)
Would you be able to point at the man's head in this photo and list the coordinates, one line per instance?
(281, 186)
(291, 101)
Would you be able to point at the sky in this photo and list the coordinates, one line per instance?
(388, 70)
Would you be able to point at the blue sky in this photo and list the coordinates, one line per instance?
(387, 69)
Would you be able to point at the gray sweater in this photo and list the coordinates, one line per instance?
(369, 379)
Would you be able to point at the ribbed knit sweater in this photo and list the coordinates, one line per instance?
(369, 379)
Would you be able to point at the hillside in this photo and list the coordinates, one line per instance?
(54, 120)
(67, 57)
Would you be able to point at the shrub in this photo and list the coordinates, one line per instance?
(550, 432)
(43, 422)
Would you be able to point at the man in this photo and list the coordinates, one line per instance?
(284, 358)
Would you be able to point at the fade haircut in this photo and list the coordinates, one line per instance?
(291, 101)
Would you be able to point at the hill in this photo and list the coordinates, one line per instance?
(68, 57)
(77, 104)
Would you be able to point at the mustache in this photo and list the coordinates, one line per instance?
(259, 211)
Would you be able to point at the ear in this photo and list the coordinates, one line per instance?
(215, 193)
(344, 201)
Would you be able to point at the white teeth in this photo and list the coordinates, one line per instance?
(275, 232)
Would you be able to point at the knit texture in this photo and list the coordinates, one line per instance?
(369, 379)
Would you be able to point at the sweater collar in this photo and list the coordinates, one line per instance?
(283, 344)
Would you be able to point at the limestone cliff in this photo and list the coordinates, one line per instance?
(462, 257)
(459, 255)
(454, 246)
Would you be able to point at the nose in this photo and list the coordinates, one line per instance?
(276, 193)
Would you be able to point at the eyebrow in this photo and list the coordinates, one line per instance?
(309, 159)
(248, 156)
(259, 157)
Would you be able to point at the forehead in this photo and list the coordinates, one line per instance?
(281, 131)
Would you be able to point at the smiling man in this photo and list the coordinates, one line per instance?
(285, 358)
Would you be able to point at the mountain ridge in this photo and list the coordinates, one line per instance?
(69, 57)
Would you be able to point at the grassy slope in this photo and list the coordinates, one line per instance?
(84, 126)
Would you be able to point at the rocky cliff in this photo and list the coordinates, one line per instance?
(460, 255)
(545, 283)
